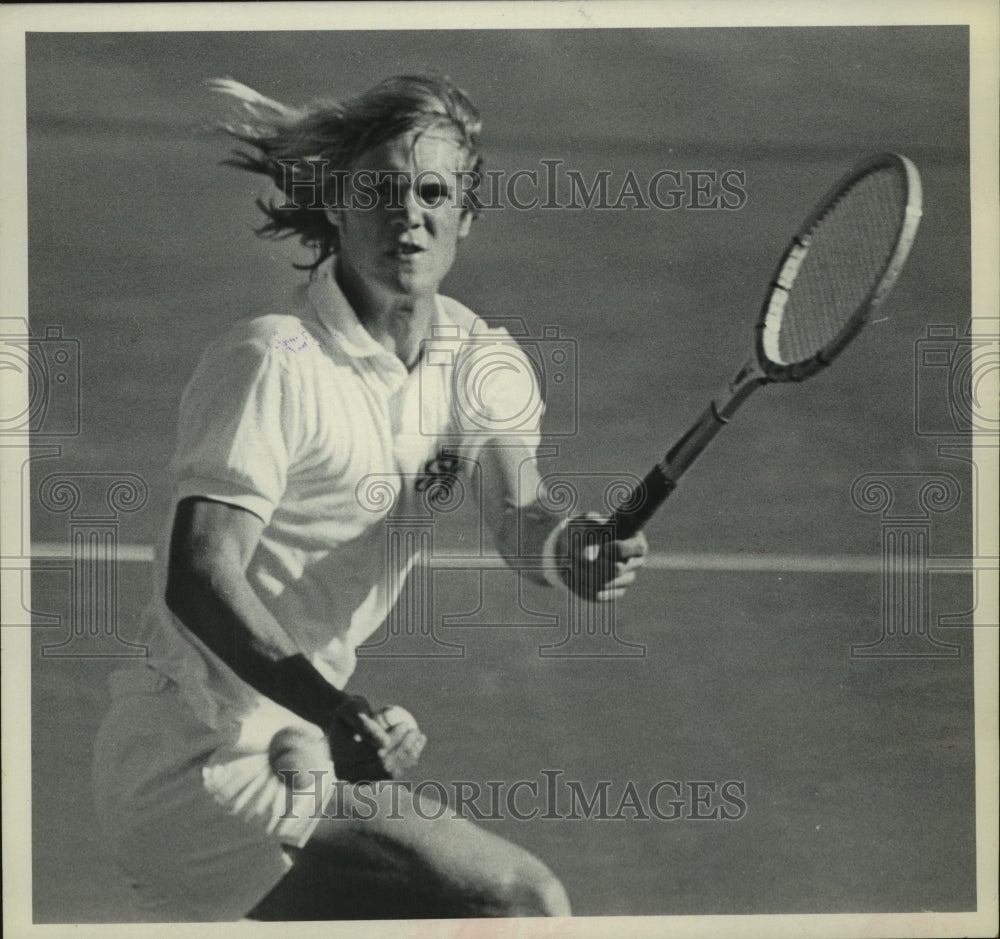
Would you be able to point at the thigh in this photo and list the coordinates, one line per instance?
(408, 858)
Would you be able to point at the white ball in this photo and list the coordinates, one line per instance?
(295, 751)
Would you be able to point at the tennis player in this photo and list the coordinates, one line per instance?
(273, 567)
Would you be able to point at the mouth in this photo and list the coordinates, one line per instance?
(405, 250)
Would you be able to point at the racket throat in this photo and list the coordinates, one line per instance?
(718, 413)
(683, 453)
(747, 380)
(662, 479)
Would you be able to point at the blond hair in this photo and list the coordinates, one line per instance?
(333, 135)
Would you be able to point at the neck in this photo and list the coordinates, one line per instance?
(398, 322)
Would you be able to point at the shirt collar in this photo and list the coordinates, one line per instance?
(338, 316)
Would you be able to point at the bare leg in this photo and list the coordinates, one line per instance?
(406, 864)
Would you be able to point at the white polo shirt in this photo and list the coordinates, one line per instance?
(309, 423)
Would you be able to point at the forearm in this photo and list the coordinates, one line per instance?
(523, 526)
(232, 622)
(526, 536)
(542, 543)
(208, 591)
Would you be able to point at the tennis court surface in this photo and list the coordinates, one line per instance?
(731, 660)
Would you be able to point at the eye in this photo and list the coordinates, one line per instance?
(390, 192)
(432, 193)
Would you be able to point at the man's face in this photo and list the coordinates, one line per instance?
(403, 221)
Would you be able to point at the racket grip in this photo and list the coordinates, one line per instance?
(647, 497)
(662, 479)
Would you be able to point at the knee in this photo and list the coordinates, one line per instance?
(550, 896)
(533, 890)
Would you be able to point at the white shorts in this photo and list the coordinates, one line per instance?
(197, 821)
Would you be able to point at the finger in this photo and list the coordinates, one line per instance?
(403, 760)
(393, 715)
(606, 595)
(379, 737)
(634, 547)
(395, 739)
(622, 580)
(632, 564)
(413, 746)
(406, 754)
(417, 745)
(632, 561)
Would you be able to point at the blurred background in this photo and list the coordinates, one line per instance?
(858, 772)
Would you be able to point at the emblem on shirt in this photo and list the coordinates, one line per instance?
(439, 478)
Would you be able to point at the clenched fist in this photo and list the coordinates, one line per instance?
(600, 566)
(364, 747)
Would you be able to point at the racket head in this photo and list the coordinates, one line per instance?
(839, 266)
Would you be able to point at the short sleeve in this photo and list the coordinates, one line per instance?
(497, 390)
(238, 418)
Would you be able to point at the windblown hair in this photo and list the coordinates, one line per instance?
(338, 132)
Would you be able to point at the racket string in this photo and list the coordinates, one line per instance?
(850, 246)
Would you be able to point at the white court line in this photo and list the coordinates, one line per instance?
(659, 561)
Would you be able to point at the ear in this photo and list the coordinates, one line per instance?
(465, 223)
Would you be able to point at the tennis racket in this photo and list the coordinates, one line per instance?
(838, 267)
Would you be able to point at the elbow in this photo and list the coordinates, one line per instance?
(192, 596)
(190, 584)
(209, 546)
(178, 592)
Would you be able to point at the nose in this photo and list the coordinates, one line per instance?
(409, 213)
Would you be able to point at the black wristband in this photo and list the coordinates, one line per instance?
(301, 688)
(354, 751)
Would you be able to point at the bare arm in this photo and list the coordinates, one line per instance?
(207, 590)
(519, 524)
(525, 531)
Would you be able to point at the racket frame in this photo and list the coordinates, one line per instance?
(646, 498)
(798, 251)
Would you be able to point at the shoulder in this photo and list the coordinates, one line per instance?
(459, 314)
(272, 332)
(470, 323)
(506, 390)
(276, 340)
